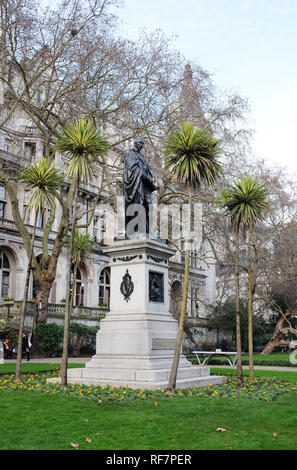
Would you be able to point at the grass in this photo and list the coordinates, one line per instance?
(287, 376)
(34, 367)
(176, 423)
(269, 357)
(262, 416)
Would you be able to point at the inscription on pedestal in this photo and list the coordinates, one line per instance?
(163, 343)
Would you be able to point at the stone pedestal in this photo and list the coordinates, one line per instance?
(1, 353)
(136, 340)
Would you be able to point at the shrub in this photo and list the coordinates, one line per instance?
(50, 336)
(83, 337)
(9, 328)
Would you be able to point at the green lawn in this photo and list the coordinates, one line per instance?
(282, 375)
(9, 367)
(261, 416)
(175, 423)
(269, 357)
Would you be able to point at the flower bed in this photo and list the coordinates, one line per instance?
(267, 389)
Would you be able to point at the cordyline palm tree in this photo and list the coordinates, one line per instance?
(83, 144)
(245, 203)
(44, 182)
(192, 158)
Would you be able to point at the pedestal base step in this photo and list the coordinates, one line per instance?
(195, 380)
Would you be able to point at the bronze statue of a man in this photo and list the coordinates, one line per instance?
(138, 188)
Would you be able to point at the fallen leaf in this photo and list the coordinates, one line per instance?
(173, 440)
(75, 446)
(221, 429)
(88, 439)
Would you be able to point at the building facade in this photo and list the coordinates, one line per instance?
(21, 143)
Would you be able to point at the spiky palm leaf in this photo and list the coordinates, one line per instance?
(83, 247)
(84, 144)
(245, 202)
(192, 155)
(44, 181)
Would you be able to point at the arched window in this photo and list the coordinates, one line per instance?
(104, 288)
(4, 275)
(79, 287)
(176, 298)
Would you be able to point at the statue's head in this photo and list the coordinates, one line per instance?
(139, 143)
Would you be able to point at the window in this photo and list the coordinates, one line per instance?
(38, 97)
(7, 145)
(101, 229)
(78, 289)
(193, 255)
(30, 151)
(40, 218)
(4, 275)
(78, 298)
(183, 247)
(95, 226)
(2, 200)
(2, 193)
(104, 288)
(2, 208)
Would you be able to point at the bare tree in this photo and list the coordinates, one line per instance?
(67, 61)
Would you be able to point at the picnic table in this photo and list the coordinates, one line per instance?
(227, 354)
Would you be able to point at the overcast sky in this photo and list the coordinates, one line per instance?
(248, 45)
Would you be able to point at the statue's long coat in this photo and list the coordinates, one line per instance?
(137, 178)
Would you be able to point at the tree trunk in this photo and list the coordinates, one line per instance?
(250, 313)
(73, 287)
(24, 303)
(173, 374)
(68, 306)
(43, 296)
(237, 307)
(278, 336)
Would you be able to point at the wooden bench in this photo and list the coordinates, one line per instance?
(227, 354)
